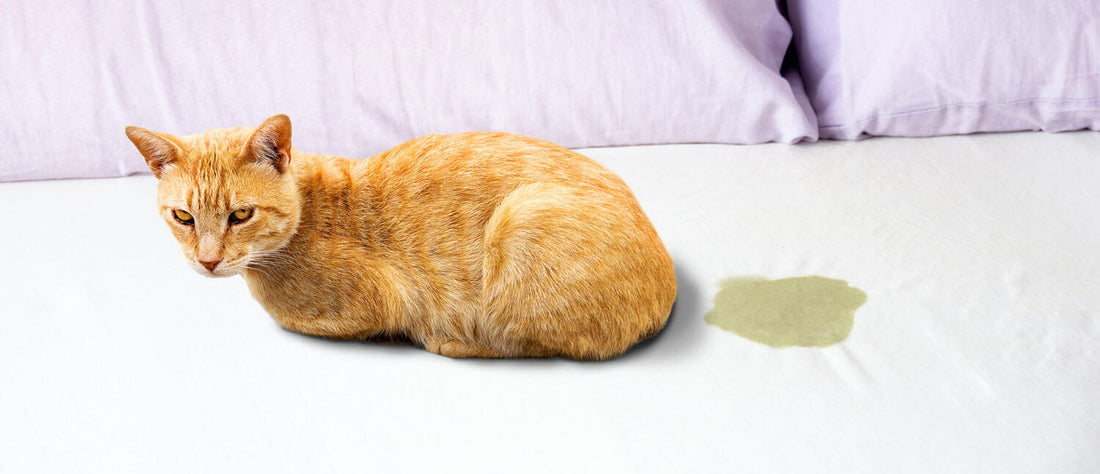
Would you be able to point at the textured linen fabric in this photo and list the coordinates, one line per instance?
(935, 67)
(359, 77)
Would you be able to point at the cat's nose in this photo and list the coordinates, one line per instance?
(211, 265)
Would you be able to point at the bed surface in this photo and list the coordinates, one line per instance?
(976, 350)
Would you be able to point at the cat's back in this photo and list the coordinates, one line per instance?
(485, 165)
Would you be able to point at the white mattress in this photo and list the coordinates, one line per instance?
(977, 349)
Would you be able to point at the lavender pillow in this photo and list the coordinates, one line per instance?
(935, 67)
(364, 76)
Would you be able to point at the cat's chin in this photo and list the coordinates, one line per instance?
(219, 273)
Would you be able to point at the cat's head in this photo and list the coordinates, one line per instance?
(228, 194)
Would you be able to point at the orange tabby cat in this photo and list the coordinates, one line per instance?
(473, 245)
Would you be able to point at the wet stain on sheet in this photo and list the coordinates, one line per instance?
(809, 311)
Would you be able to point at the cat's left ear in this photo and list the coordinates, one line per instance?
(270, 143)
(159, 149)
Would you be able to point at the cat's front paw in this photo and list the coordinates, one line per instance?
(457, 349)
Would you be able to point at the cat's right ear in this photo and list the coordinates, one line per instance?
(270, 143)
(159, 150)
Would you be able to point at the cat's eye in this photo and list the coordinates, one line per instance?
(183, 217)
(240, 215)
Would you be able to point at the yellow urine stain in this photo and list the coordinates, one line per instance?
(809, 311)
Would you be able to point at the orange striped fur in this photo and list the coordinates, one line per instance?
(476, 244)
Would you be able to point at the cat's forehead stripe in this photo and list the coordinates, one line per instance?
(209, 190)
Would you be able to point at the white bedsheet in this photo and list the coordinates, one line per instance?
(975, 352)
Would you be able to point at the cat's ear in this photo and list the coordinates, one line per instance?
(270, 143)
(159, 149)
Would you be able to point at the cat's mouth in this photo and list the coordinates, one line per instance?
(253, 260)
(220, 270)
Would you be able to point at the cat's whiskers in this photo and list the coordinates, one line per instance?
(256, 253)
(268, 258)
(261, 270)
(264, 253)
(261, 265)
(269, 264)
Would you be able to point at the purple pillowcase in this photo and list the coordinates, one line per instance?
(360, 78)
(935, 67)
